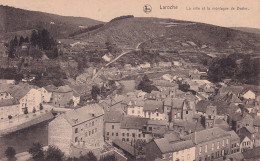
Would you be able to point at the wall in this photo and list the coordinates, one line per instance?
(60, 134)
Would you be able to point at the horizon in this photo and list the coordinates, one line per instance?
(104, 12)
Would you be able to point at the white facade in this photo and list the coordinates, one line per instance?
(155, 115)
(246, 144)
(31, 100)
(136, 111)
(184, 155)
(45, 95)
(76, 100)
(249, 95)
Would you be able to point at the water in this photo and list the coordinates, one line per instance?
(22, 140)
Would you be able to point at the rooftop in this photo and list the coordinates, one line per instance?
(130, 122)
(80, 115)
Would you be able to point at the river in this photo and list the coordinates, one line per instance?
(22, 140)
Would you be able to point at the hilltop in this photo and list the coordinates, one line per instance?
(162, 34)
(14, 19)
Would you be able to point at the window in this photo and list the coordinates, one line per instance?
(212, 146)
(227, 141)
(123, 139)
(206, 148)
(93, 131)
(139, 135)
(86, 134)
(112, 134)
(187, 112)
(116, 134)
(93, 123)
(89, 133)
(107, 133)
(150, 128)
(123, 134)
(133, 111)
(76, 139)
(127, 134)
(127, 139)
(223, 143)
(218, 145)
(200, 150)
(113, 126)
(76, 130)
(133, 134)
(157, 114)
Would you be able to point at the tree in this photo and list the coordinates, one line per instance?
(95, 91)
(34, 38)
(184, 87)
(37, 152)
(91, 157)
(21, 41)
(15, 41)
(108, 158)
(146, 85)
(53, 154)
(11, 49)
(10, 153)
(41, 107)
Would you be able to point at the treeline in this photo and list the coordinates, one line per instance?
(86, 30)
(121, 17)
(42, 39)
(15, 43)
(240, 68)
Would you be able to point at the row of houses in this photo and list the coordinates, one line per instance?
(16, 99)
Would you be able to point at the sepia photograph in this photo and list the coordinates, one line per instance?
(129, 80)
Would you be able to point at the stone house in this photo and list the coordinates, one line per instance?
(80, 128)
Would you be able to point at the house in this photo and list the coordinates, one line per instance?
(154, 110)
(185, 126)
(256, 124)
(157, 128)
(136, 109)
(248, 132)
(9, 107)
(64, 96)
(112, 122)
(245, 143)
(145, 65)
(80, 128)
(248, 94)
(194, 74)
(31, 100)
(106, 58)
(210, 143)
(45, 95)
(170, 151)
(131, 129)
(5, 95)
(234, 142)
(252, 154)
(238, 120)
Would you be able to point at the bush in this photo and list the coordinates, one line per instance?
(10, 152)
(37, 152)
(54, 154)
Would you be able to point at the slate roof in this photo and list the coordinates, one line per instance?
(157, 122)
(177, 102)
(17, 91)
(234, 135)
(113, 116)
(256, 121)
(152, 105)
(63, 89)
(8, 102)
(124, 146)
(166, 147)
(130, 122)
(80, 115)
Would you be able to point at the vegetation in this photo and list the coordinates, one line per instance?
(88, 157)
(108, 158)
(10, 73)
(146, 85)
(54, 154)
(121, 18)
(239, 68)
(88, 29)
(37, 152)
(10, 153)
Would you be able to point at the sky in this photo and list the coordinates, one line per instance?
(105, 10)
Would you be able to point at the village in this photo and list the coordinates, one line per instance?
(185, 117)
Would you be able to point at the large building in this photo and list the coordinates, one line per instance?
(81, 128)
(166, 149)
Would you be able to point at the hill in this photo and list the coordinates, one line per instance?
(169, 34)
(14, 19)
(247, 29)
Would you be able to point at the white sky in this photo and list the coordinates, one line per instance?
(105, 10)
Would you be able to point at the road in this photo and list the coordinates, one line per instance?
(114, 60)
